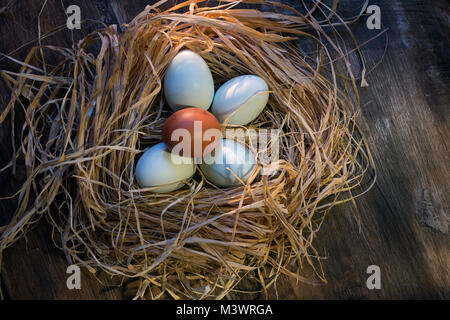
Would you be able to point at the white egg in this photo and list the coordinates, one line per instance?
(157, 167)
(231, 159)
(188, 82)
(239, 98)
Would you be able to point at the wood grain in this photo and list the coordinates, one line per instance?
(401, 225)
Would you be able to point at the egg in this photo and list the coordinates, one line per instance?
(188, 82)
(163, 170)
(229, 160)
(192, 132)
(237, 98)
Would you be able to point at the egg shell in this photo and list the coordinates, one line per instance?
(188, 82)
(157, 167)
(237, 97)
(195, 141)
(229, 155)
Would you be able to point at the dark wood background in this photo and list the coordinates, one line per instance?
(405, 114)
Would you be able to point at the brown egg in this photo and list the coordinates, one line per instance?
(192, 132)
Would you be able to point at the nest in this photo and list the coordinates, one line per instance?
(199, 241)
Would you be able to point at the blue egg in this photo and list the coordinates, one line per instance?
(229, 157)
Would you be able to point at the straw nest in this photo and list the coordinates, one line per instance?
(199, 241)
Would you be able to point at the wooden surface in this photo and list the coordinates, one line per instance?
(403, 220)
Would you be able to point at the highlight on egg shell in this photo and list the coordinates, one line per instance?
(159, 168)
(192, 132)
(188, 82)
(230, 163)
(240, 99)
